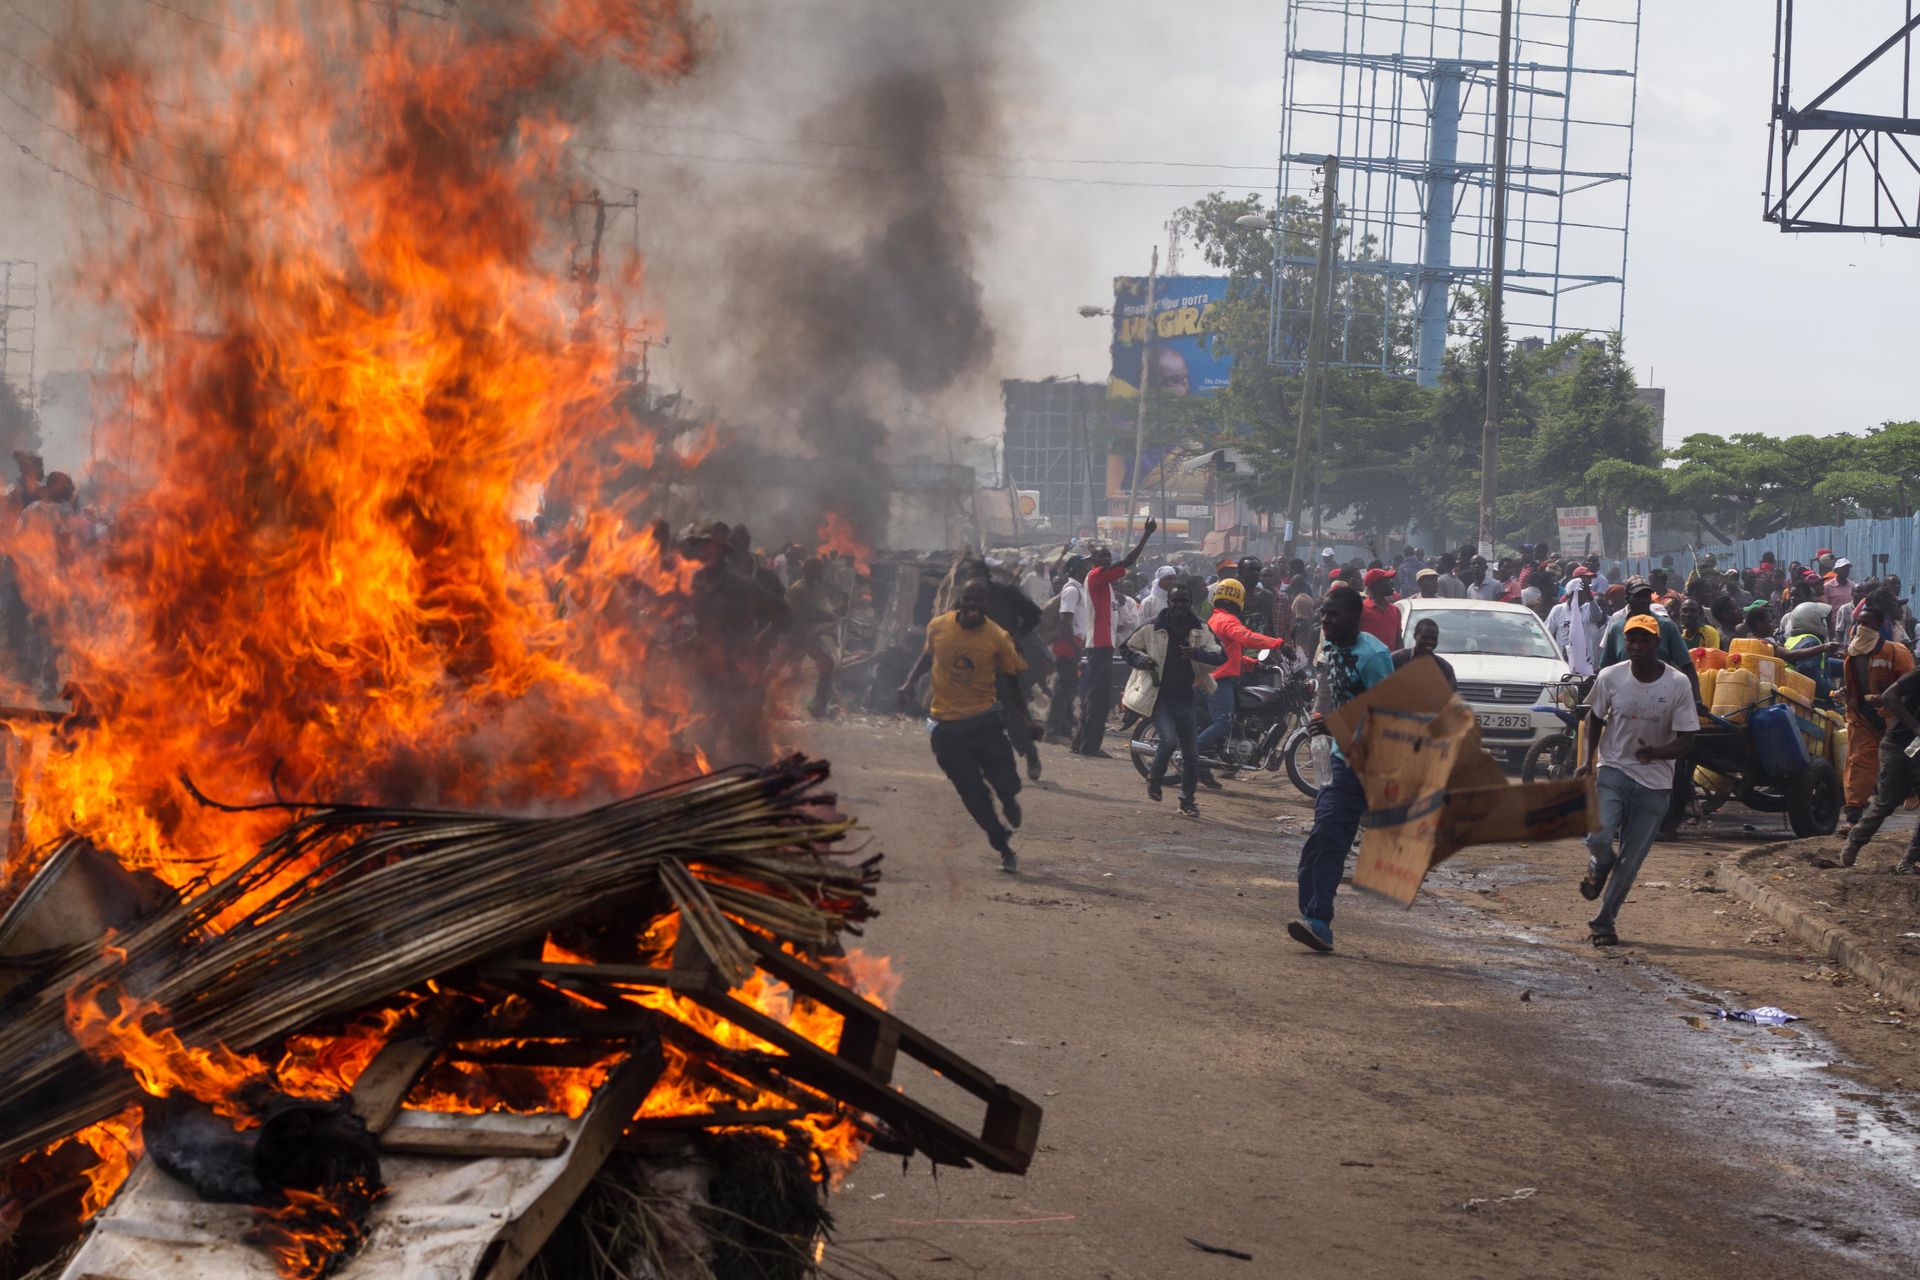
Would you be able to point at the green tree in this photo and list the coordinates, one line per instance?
(1877, 476)
(1749, 485)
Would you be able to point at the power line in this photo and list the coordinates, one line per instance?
(954, 152)
(128, 165)
(789, 163)
(56, 42)
(46, 163)
(44, 78)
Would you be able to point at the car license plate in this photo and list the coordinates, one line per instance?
(1505, 720)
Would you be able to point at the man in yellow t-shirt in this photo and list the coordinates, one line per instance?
(966, 654)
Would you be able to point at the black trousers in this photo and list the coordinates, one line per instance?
(977, 758)
(1097, 699)
(1013, 710)
(1066, 676)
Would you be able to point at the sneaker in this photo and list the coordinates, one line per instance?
(1188, 809)
(1590, 888)
(1315, 934)
(1906, 867)
(1009, 860)
(1210, 782)
(1033, 767)
(1607, 939)
(1153, 790)
(1849, 854)
(1011, 808)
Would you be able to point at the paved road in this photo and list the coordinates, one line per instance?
(1453, 1094)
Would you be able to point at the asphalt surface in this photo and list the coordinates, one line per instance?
(1457, 1091)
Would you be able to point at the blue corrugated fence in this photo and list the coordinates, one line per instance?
(1897, 538)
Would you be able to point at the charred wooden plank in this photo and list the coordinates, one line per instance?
(861, 1072)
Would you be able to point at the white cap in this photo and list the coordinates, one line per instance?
(1843, 563)
(1163, 571)
(1326, 553)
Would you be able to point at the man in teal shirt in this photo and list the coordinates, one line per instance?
(1353, 662)
(1672, 648)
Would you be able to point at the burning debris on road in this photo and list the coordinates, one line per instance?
(470, 930)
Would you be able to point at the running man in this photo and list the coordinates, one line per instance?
(967, 655)
(1643, 718)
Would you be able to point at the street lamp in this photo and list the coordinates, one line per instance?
(1253, 222)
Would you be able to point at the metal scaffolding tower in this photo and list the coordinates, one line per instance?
(1402, 92)
(1854, 140)
(19, 304)
(1050, 443)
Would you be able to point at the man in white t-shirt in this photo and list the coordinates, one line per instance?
(1643, 718)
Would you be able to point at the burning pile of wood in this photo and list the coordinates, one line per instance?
(382, 994)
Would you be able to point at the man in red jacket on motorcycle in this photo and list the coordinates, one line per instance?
(1236, 637)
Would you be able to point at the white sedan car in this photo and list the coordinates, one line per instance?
(1503, 657)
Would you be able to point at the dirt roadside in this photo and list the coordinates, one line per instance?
(1465, 1089)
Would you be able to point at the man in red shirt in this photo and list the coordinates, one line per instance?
(1095, 624)
(1378, 617)
(1236, 637)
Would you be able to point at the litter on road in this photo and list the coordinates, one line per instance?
(1765, 1016)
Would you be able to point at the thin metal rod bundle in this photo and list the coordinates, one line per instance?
(350, 904)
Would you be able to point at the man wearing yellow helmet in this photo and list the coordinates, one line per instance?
(1229, 598)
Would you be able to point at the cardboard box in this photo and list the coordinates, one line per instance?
(1432, 789)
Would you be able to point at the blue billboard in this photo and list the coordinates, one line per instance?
(1182, 361)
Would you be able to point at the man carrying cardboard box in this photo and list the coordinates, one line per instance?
(1643, 718)
(1353, 662)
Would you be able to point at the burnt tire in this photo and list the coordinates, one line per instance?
(1548, 760)
(1813, 800)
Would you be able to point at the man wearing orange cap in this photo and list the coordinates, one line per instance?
(1643, 719)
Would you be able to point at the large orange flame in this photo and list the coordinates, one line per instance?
(836, 534)
(359, 363)
(367, 351)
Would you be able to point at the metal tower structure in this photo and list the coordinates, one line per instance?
(1855, 141)
(1402, 92)
(19, 304)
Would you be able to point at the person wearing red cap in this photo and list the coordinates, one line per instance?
(1378, 617)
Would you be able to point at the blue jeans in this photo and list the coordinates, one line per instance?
(1630, 814)
(1323, 858)
(1174, 722)
(1220, 705)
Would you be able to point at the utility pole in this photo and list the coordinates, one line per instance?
(1316, 340)
(1140, 418)
(1496, 334)
(588, 273)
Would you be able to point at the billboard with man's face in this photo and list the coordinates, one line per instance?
(1181, 360)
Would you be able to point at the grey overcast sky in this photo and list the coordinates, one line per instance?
(1748, 329)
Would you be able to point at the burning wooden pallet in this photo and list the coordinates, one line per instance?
(435, 1179)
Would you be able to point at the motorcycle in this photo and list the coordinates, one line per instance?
(1308, 756)
(1554, 757)
(1264, 716)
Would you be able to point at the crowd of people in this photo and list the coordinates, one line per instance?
(1186, 631)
